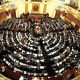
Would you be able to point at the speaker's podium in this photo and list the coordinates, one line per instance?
(57, 14)
(23, 78)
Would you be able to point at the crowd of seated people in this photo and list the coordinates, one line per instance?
(49, 55)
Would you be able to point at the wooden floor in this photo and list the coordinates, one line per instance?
(77, 78)
(2, 77)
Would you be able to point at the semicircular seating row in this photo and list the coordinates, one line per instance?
(54, 54)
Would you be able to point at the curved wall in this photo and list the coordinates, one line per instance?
(43, 7)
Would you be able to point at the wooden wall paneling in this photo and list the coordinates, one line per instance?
(3, 17)
(13, 13)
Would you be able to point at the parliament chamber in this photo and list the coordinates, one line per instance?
(40, 40)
